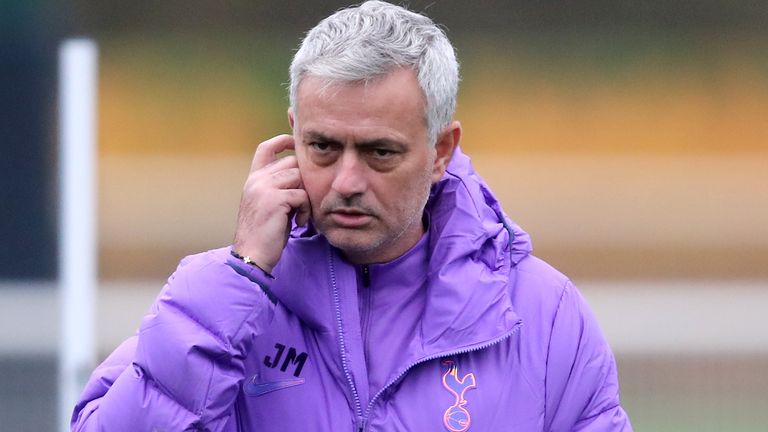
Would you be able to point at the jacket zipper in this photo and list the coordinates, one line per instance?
(366, 310)
(366, 272)
(483, 346)
(360, 417)
(343, 347)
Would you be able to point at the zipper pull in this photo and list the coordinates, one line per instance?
(360, 424)
(366, 276)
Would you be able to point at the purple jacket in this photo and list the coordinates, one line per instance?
(504, 342)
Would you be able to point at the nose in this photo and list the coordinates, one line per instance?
(350, 175)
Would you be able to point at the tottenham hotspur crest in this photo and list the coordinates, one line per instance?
(457, 418)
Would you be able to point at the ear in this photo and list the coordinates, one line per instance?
(446, 143)
(290, 117)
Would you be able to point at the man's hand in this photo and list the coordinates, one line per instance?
(272, 194)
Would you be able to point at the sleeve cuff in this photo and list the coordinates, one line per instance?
(253, 273)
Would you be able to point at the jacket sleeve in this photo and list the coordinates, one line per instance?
(183, 369)
(582, 389)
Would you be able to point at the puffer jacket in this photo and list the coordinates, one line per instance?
(504, 341)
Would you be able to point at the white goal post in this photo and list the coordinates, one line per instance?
(78, 70)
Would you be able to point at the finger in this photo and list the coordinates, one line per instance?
(286, 179)
(297, 199)
(279, 174)
(304, 210)
(281, 164)
(303, 213)
(267, 151)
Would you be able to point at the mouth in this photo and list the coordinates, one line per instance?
(350, 217)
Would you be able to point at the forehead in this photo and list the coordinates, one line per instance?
(391, 103)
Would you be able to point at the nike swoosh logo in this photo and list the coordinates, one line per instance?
(253, 388)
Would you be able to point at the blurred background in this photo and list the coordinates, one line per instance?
(629, 138)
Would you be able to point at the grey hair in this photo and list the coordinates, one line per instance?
(365, 42)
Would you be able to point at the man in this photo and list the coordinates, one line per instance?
(374, 283)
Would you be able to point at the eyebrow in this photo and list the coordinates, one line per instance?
(378, 142)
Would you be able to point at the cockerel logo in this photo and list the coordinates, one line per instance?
(456, 417)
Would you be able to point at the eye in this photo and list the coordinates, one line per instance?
(382, 153)
(383, 158)
(320, 147)
(323, 153)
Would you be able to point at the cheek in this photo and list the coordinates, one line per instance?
(412, 191)
(313, 182)
(315, 190)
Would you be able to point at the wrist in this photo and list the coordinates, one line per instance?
(248, 260)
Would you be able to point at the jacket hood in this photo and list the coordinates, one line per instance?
(472, 247)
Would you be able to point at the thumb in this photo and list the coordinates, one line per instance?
(303, 213)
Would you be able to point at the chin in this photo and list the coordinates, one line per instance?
(353, 245)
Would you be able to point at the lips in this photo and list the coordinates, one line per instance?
(350, 218)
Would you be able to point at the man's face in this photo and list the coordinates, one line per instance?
(365, 163)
